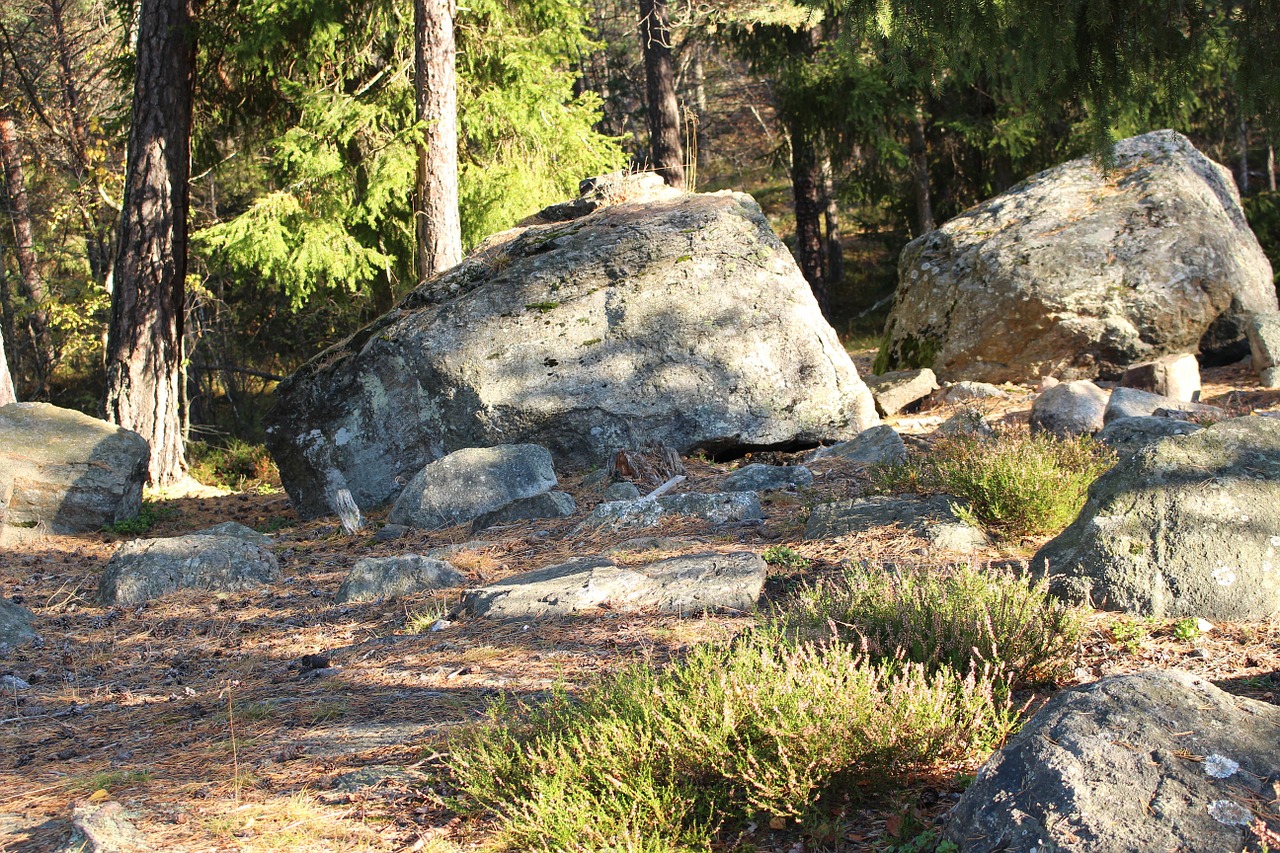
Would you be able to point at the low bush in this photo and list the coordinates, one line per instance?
(236, 465)
(657, 760)
(958, 617)
(1013, 485)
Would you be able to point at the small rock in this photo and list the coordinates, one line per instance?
(718, 508)
(1174, 376)
(468, 483)
(967, 392)
(1069, 409)
(895, 391)
(103, 828)
(1263, 330)
(372, 578)
(148, 568)
(388, 532)
(876, 445)
(12, 682)
(758, 477)
(1134, 403)
(624, 490)
(15, 624)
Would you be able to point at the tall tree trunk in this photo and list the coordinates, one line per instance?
(144, 344)
(831, 217)
(665, 150)
(806, 187)
(435, 83)
(31, 285)
(7, 393)
(919, 152)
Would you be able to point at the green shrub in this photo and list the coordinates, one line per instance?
(236, 465)
(657, 759)
(148, 516)
(957, 617)
(1014, 485)
(785, 557)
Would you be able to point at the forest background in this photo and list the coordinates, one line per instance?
(856, 126)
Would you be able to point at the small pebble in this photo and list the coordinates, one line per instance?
(12, 682)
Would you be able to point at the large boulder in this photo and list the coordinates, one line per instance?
(1189, 526)
(682, 322)
(1078, 273)
(67, 471)
(1129, 764)
(148, 568)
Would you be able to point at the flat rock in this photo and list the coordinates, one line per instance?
(148, 568)
(879, 445)
(469, 483)
(66, 471)
(966, 391)
(103, 828)
(898, 389)
(545, 505)
(682, 322)
(1176, 376)
(1128, 764)
(1078, 273)
(717, 508)
(1135, 403)
(15, 624)
(372, 578)
(691, 584)
(1069, 409)
(239, 531)
(931, 518)
(1126, 436)
(758, 477)
(1187, 527)
(967, 422)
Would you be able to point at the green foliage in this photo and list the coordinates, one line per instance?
(653, 759)
(785, 557)
(1263, 212)
(957, 617)
(1186, 630)
(1014, 485)
(236, 465)
(1130, 633)
(148, 517)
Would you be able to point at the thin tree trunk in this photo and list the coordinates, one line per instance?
(7, 392)
(439, 227)
(806, 187)
(1244, 157)
(31, 285)
(920, 171)
(831, 217)
(1271, 168)
(665, 150)
(144, 344)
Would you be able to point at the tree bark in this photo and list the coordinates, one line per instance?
(919, 152)
(30, 283)
(806, 187)
(439, 228)
(665, 151)
(7, 394)
(831, 218)
(144, 344)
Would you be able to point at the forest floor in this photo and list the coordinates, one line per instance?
(199, 714)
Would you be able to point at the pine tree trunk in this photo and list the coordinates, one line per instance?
(831, 217)
(665, 150)
(7, 394)
(439, 228)
(806, 187)
(1271, 168)
(144, 344)
(31, 285)
(920, 171)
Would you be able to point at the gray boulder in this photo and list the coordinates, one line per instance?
(1176, 376)
(1078, 274)
(1127, 764)
(1189, 526)
(238, 531)
(372, 578)
(1070, 408)
(1135, 403)
(545, 505)
(879, 445)
(758, 477)
(469, 483)
(931, 518)
(1264, 345)
(683, 323)
(894, 391)
(692, 584)
(66, 471)
(623, 490)
(15, 624)
(717, 508)
(1126, 436)
(148, 568)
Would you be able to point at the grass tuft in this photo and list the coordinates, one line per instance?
(957, 617)
(1014, 485)
(658, 759)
